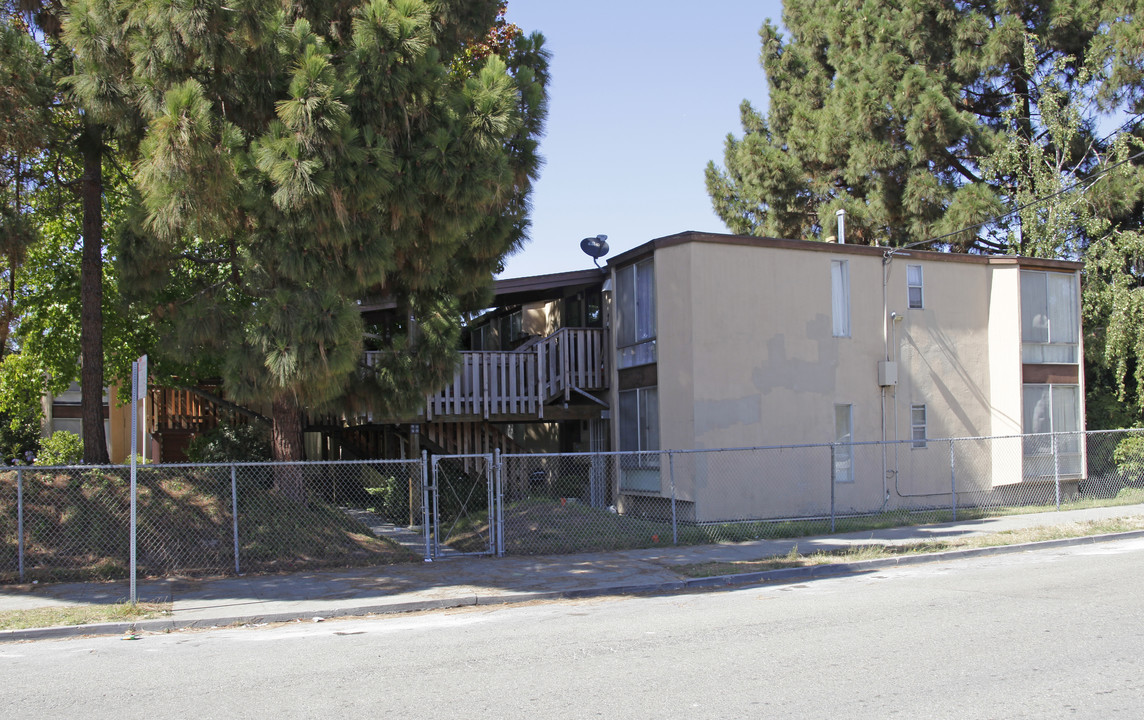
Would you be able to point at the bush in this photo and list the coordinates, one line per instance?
(231, 443)
(1129, 458)
(60, 448)
(21, 387)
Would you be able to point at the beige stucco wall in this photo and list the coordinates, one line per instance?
(746, 357)
(1005, 456)
(541, 318)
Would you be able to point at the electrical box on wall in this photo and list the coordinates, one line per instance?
(887, 373)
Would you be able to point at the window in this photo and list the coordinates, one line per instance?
(509, 330)
(635, 336)
(479, 337)
(1050, 323)
(918, 425)
(639, 431)
(1052, 409)
(573, 311)
(840, 296)
(844, 451)
(914, 286)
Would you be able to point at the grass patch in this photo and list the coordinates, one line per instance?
(876, 551)
(80, 615)
(537, 526)
(540, 525)
(77, 526)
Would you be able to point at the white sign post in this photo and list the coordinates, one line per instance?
(134, 462)
(140, 393)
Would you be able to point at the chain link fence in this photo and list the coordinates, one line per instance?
(75, 523)
(608, 501)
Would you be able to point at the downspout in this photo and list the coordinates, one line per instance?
(887, 258)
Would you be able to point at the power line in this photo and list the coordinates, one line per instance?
(1090, 182)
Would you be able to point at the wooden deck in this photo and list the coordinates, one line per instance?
(511, 386)
(488, 385)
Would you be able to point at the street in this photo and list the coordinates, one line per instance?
(1044, 634)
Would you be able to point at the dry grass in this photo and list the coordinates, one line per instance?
(76, 527)
(878, 551)
(80, 615)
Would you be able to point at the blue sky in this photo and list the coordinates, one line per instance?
(642, 96)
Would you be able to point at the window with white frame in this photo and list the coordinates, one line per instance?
(915, 297)
(918, 425)
(635, 300)
(843, 450)
(639, 431)
(840, 296)
(1050, 318)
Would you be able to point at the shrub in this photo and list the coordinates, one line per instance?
(60, 448)
(1129, 458)
(231, 443)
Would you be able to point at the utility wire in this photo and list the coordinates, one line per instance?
(1090, 182)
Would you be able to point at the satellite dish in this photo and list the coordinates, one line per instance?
(595, 247)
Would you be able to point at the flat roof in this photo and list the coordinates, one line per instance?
(692, 236)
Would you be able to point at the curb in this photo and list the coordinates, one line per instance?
(782, 575)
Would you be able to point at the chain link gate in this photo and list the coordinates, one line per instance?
(464, 505)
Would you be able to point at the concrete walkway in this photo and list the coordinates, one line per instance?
(464, 581)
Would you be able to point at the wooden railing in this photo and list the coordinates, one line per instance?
(180, 410)
(488, 384)
(572, 358)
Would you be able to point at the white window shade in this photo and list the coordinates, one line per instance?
(1050, 323)
(914, 286)
(635, 298)
(840, 297)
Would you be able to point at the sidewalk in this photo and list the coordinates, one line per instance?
(464, 581)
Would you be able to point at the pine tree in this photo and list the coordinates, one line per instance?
(890, 112)
(46, 129)
(929, 121)
(296, 158)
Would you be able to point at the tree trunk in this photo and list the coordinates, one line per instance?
(91, 298)
(286, 444)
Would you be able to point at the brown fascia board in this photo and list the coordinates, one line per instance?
(646, 249)
(539, 287)
(518, 290)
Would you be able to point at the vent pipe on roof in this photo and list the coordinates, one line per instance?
(841, 226)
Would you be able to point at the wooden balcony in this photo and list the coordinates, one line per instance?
(519, 384)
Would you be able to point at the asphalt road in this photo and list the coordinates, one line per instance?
(1046, 634)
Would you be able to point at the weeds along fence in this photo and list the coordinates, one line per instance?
(74, 523)
(602, 501)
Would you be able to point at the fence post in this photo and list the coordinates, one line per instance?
(952, 481)
(425, 502)
(134, 486)
(20, 520)
(671, 475)
(833, 466)
(498, 493)
(234, 514)
(1056, 468)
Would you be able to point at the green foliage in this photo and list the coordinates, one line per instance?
(1129, 458)
(231, 443)
(388, 494)
(60, 448)
(296, 158)
(894, 114)
(21, 386)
